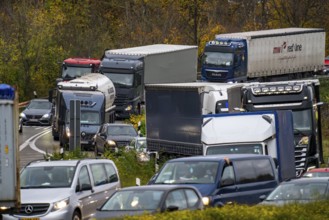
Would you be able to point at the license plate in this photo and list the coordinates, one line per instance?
(33, 119)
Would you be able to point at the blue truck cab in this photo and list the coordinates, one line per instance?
(223, 179)
(225, 60)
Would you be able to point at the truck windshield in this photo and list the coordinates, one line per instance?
(302, 120)
(217, 59)
(236, 149)
(88, 117)
(120, 79)
(74, 71)
(193, 172)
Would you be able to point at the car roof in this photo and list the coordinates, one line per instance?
(321, 170)
(157, 187)
(66, 162)
(308, 180)
(219, 157)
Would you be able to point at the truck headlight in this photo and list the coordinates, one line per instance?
(61, 204)
(67, 131)
(206, 201)
(128, 108)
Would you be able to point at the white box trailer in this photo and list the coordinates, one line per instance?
(9, 154)
(267, 54)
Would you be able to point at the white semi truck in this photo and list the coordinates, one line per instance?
(267, 133)
(96, 94)
(130, 69)
(265, 55)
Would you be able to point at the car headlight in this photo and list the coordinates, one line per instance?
(67, 130)
(22, 115)
(45, 116)
(206, 201)
(61, 204)
(111, 143)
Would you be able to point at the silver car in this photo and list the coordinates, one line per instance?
(65, 189)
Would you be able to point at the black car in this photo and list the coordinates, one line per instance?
(138, 200)
(38, 112)
(111, 136)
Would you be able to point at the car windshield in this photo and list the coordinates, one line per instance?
(236, 149)
(134, 200)
(195, 172)
(218, 58)
(47, 177)
(121, 79)
(39, 105)
(299, 191)
(121, 130)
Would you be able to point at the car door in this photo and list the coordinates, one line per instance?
(84, 191)
(100, 141)
(105, 180)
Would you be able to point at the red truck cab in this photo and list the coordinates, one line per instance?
(76, 67)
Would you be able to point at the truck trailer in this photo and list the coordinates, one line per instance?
(96, 94)
(266, 55)
(130, 69)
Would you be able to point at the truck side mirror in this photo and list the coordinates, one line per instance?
(227, 182)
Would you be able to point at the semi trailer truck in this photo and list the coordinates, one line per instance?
(183, 108)
(302, 97)
(266, 55)
(96, 94)
(130, 69)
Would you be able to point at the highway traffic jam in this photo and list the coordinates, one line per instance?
(246, 130)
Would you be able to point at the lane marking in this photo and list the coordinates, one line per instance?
(31, 141)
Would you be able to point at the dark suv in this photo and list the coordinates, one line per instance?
(111, 136)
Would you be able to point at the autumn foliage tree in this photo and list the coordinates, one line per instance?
(36, 36)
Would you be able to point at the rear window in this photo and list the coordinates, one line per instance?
(249, 171)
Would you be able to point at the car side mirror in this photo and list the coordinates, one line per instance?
(102, 135)
(227, 182)
(84, 187)
(262, 197)
(113, 178)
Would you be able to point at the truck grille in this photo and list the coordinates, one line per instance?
(212, 74)
(120, 100)
(87, 137)
(300, 158)
(122, 143)
(33, 209)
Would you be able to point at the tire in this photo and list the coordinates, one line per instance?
(76, 215)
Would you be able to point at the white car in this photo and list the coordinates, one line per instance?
(65, 189)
